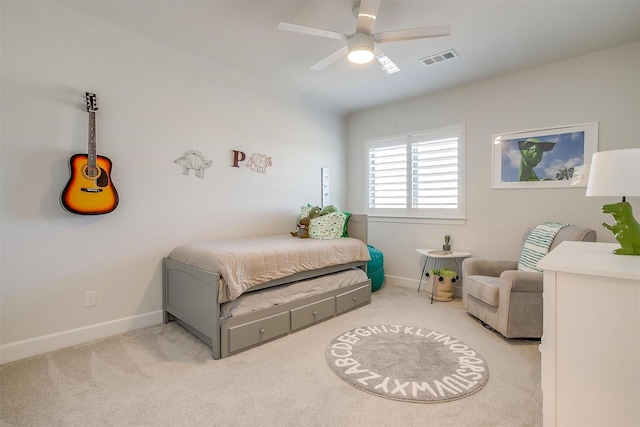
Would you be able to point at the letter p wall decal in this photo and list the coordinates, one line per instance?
(238, 156)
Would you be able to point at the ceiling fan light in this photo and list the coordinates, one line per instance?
(361, 48)
(360, 56)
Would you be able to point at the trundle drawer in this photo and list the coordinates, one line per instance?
(353, 299)
(309, 314)
(258, 331)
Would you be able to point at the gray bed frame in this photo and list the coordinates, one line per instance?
(190, 297)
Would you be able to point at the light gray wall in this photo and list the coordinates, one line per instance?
(603, 87)
(154, 103)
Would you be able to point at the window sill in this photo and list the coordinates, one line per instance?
(415, 220)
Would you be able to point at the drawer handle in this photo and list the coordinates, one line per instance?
(262, 331)
(355, 299)
(315, 313)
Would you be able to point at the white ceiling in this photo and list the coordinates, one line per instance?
(491, 38)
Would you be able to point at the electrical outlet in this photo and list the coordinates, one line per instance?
(90, 298)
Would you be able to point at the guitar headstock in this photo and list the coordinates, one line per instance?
(92, 102)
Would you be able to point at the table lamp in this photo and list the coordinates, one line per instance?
(617, 173)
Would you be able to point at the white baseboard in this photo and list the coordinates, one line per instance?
(402, 281)
(43, 344)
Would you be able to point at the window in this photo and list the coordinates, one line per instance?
(419, 175)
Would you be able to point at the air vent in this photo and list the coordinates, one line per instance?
(439, 57)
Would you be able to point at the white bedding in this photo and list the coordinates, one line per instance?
(246, 263)
(254, 301)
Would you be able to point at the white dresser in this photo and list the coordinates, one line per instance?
(591, 340)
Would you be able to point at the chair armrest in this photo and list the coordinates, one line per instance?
(521, 281)
(485, 267)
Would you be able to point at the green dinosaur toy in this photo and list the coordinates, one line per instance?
(625, 229)
(328, 209)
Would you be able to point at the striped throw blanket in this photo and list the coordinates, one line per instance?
(537, 245)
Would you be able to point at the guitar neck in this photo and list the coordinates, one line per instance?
(92, 139)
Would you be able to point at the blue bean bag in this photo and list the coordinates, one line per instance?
(375, 268)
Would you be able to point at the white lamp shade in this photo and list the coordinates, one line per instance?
(615, 173)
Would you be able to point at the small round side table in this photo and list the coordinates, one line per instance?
(437, 256)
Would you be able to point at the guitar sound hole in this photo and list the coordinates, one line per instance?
(91, 172)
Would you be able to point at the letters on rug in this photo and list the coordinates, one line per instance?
(407, 363)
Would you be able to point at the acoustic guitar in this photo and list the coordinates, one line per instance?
(90, 190)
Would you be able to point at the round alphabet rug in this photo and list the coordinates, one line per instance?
(407, 363)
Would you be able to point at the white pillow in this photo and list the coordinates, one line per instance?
(330, 226)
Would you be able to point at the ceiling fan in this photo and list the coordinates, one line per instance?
(362, 45)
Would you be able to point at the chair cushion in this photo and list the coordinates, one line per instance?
(484, 288)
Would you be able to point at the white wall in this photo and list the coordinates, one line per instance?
(603, 87)
(154, 104)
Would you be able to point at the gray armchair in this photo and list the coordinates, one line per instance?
(508, 300)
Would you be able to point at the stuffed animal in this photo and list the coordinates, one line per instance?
(314, 212)
(302, 230)
(328, 209)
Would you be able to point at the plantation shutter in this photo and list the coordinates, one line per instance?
(434, 171)
(388, 177)
(416, 175)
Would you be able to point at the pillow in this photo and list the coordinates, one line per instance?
(330, 226)
(346, 220)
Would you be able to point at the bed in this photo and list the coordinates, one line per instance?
(238, 294)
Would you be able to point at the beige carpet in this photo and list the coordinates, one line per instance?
(163, 376)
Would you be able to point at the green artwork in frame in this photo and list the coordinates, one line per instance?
(544, 158)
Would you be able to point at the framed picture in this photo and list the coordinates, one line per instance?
(544, 158)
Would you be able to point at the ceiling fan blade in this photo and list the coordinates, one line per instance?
(413, 34)
(367, 14)
(311, 31)
(387, 65)
(330, 59)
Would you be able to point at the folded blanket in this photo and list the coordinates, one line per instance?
(537, 245)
